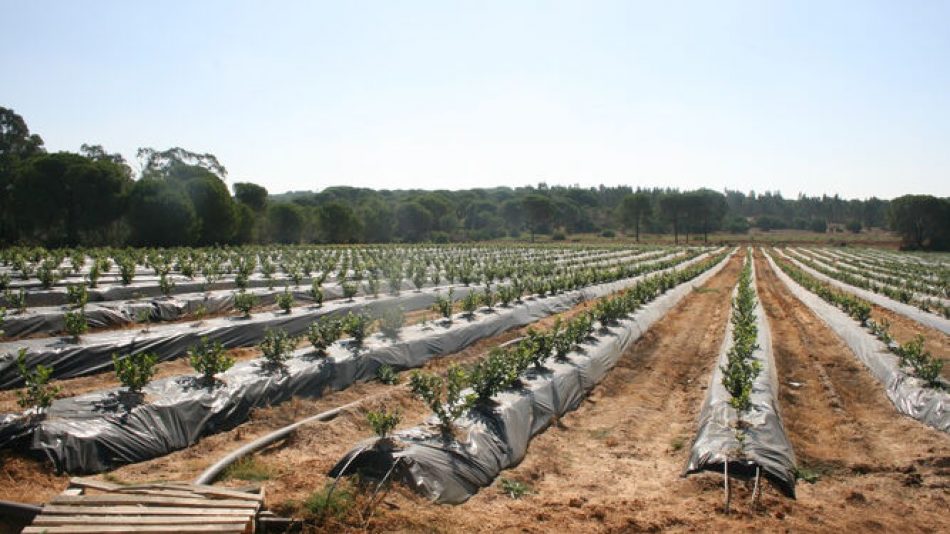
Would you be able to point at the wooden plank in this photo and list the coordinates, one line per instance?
(167, 529)
(92, 483)
(73, 491)
(139, 520)
(202, 490)
(141, 510)
(151, 500)
(158, 491)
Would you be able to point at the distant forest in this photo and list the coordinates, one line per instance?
(181, 198)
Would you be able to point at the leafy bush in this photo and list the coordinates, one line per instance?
(356, 325)
(470, 303)
(316, 293)
(387, 375)
(245, 302)
(349, 290)
(17, 300)
(492, 375)
(285, 300)
(209, 359)
(135, 370)
(444, 304)
(391, 320)
(126, 270)
(77, 295)
(443, 397)
(383, 422)
(324, 332)
(37, 393)
(165, 284)
(76, 324)
(741, 368)
(277, 347)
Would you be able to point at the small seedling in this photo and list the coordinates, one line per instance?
(514, 489)
(383, 422)
(37, 393)
(387, 375)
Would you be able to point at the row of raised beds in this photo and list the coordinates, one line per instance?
(23, 320)
(911, 376)
(906, 289)
(485, 415)
(93, 432)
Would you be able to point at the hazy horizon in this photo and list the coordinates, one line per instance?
(847, 98)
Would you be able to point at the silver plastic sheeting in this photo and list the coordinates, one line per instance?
(110, 314)
(766, 444)
(449, 470)
(94, 432)
(920, 316)
(93, 353)
(910, 395)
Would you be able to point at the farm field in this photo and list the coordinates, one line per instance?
(501, 387)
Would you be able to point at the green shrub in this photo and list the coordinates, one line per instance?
(17, 300)
(470, 303)
(209, 359)
(356, 325)
(76, 324)
(391, 320)
(316, 293)
(324, 332)
(443, 305)
(285, 300)
(387, 375)
(245, 302)
(135, 370)
(277, 347)
(443, 397)
(37, 393)
(77, 295)
(349, 290)
(383, 422)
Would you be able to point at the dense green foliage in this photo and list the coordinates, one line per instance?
(181, 198)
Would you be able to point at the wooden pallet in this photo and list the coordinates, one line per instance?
(95, 506)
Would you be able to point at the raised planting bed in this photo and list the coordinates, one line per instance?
(94, 432)
(450, 465)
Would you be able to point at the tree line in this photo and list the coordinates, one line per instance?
(180, 197)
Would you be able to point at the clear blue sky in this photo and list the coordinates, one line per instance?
(814, 97)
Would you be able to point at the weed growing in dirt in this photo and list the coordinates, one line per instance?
(248, 468)
(514, 488)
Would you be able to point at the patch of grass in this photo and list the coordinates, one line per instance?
(678, 443)
(806, 474)
(514, 488)
(705, 290)
(322, 503)
(600, 433)
(248, 468)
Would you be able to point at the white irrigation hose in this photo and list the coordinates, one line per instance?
(210, 474)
